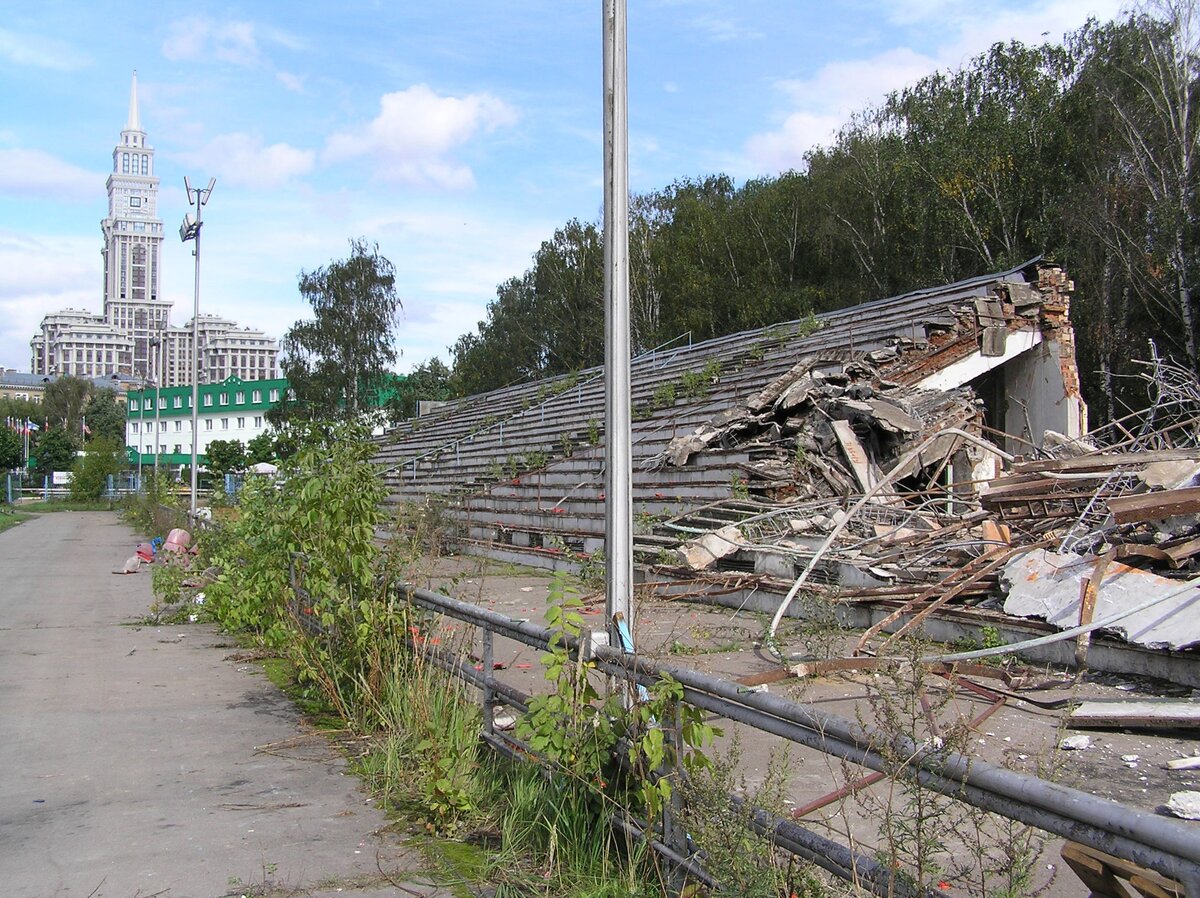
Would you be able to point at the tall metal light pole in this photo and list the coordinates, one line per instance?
(618, 455)
(142, 415)
(156, 342)
(190, 230)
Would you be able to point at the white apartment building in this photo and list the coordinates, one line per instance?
(160, 421)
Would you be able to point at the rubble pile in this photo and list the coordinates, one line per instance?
(868, 485)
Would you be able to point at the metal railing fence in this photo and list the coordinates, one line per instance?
(1167, 846)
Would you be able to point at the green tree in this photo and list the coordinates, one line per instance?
(336, 359)
(55, 451)
(105, 417)
(103, 456)
(11, 449)
(225, 457)
(17, 411)
(64, 402)
(429, 381)
(261, 448)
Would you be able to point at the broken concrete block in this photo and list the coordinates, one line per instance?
(1078, 742)
(1047, 585)
(1185, 805)
(1170, 475)
(705, 551)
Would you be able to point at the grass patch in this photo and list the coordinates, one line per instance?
(10, 519)
(67, 505)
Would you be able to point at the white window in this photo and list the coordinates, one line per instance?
(258, 420)
(208, 400)
(178, 402)
(162, 402)
(208, 423)
(224, 399)
(241, 423)
(256, 396)
(240, 398)
(146, 403)
(134, 427)
(274, 395)
(178, 426)
(177, 449)
(162, 426)
(224, 423)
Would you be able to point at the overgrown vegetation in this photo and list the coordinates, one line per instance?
(360, 656)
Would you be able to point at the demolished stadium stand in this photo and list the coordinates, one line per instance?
(771, 455)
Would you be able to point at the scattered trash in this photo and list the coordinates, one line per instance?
(177, 541)
(132, 564)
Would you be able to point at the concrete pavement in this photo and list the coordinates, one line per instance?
(128, 761)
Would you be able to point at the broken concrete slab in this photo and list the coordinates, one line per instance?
(1046, 584)
(705, 551)
(1143, 714)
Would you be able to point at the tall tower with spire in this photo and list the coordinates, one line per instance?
(133, 238)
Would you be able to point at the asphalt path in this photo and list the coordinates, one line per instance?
(143, 760)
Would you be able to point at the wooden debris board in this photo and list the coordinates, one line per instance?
(1105, 462)
(856, 455)
(1156, 714)
(1105, 875)
(1155, 506)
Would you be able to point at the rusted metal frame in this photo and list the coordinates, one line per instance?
(864, 782)
(940, 593)
(1089, 591)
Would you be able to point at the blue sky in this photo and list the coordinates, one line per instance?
(455, 134)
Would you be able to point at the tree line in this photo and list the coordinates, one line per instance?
(1084, 150)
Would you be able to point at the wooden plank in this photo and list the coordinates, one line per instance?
(1155, 506)
(1155, 714)
(1093, 872)
(860, 463)
(1103, 462)
(1090, 588)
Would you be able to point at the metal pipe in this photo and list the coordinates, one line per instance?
(1067, 812)
(832, 856)
(618, 450)
(1155, 842)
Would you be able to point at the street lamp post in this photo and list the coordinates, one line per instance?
(190, 230)
(157, 391)
(157, 404)
(142, 416)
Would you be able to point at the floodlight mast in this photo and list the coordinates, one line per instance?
(618, 454)
(190, 230)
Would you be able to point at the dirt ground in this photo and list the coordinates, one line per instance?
(1125, 766)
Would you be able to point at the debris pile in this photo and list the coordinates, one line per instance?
(872, 485)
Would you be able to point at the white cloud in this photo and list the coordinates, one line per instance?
(41, 52)
(416, 132)
(828, 99)
(33, 173)
(721, 29)
(294, 83)
(201, 38)
(821, 104)
(244, 160)
(39, 275)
